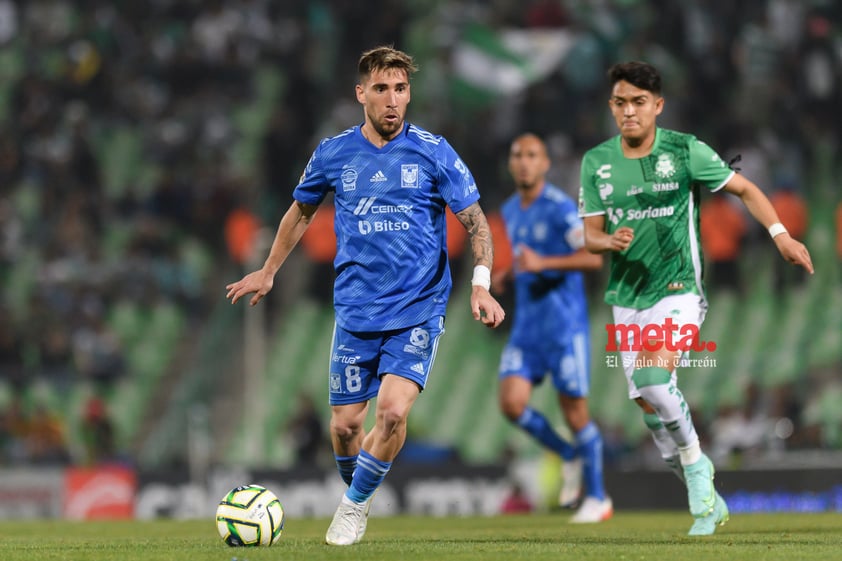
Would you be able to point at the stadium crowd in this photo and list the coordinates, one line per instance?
(131, 131)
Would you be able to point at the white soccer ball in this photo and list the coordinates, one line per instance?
(250, 515)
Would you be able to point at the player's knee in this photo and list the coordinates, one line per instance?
(392, 417)
(512, 409)
(345, 429)
(577, 418)
(643, 404)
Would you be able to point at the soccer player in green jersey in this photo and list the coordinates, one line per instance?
(640, 202)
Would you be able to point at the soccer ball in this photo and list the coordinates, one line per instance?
(250, 515)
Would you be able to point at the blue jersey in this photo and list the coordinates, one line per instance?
(391, 261)
(550, 307)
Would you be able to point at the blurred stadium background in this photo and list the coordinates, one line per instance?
(148, 150)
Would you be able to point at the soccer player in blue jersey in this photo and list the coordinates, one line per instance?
(550, 329)
(391, 182)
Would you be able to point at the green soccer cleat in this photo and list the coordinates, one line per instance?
(706, 525)
(700, 491)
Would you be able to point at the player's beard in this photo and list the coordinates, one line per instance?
(386, 129)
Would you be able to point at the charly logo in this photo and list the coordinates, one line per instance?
(604, 171)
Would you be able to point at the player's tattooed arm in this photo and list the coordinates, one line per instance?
(475, 222)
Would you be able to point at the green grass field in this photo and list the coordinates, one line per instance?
(629, 536)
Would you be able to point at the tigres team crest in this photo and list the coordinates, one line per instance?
(409, 176)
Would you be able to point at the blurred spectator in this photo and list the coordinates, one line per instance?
(501, 277)
(319, 244)
(705, 33)
(98, 433)
(10, 162)
(788, 408)
(792, 211)
(757, 58)
(307, 432)
(546, 14)
(171, 200)
(11, 350)
(241, 231)
(283, 152)
(516, 501)
(14, 427)
(45, 438)
(740, 429)
(55, 355)
(97, 350)
(8, 21)
(751, 156)
(819, 78)
(503, 256)
(457, 238)
(839, 234)
(723, 227)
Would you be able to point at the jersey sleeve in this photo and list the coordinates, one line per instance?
(590, 203)
(456, 183)
(707, 167)
(313, 185)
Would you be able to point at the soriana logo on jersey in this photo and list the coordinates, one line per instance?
(99, 493)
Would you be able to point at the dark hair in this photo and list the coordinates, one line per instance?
(383, 58)
(639, 74)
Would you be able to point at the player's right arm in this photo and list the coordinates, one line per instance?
(593, 212)
(597, 240)
(293, 224)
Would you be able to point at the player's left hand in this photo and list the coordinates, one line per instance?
(794, 251)
(485, 308)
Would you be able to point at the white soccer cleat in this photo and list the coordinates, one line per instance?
(571, 482)
(344, 529)
(593, 510)
(364, 522)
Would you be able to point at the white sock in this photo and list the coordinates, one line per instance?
(673, 412)
(690, 454)
(664, 442)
